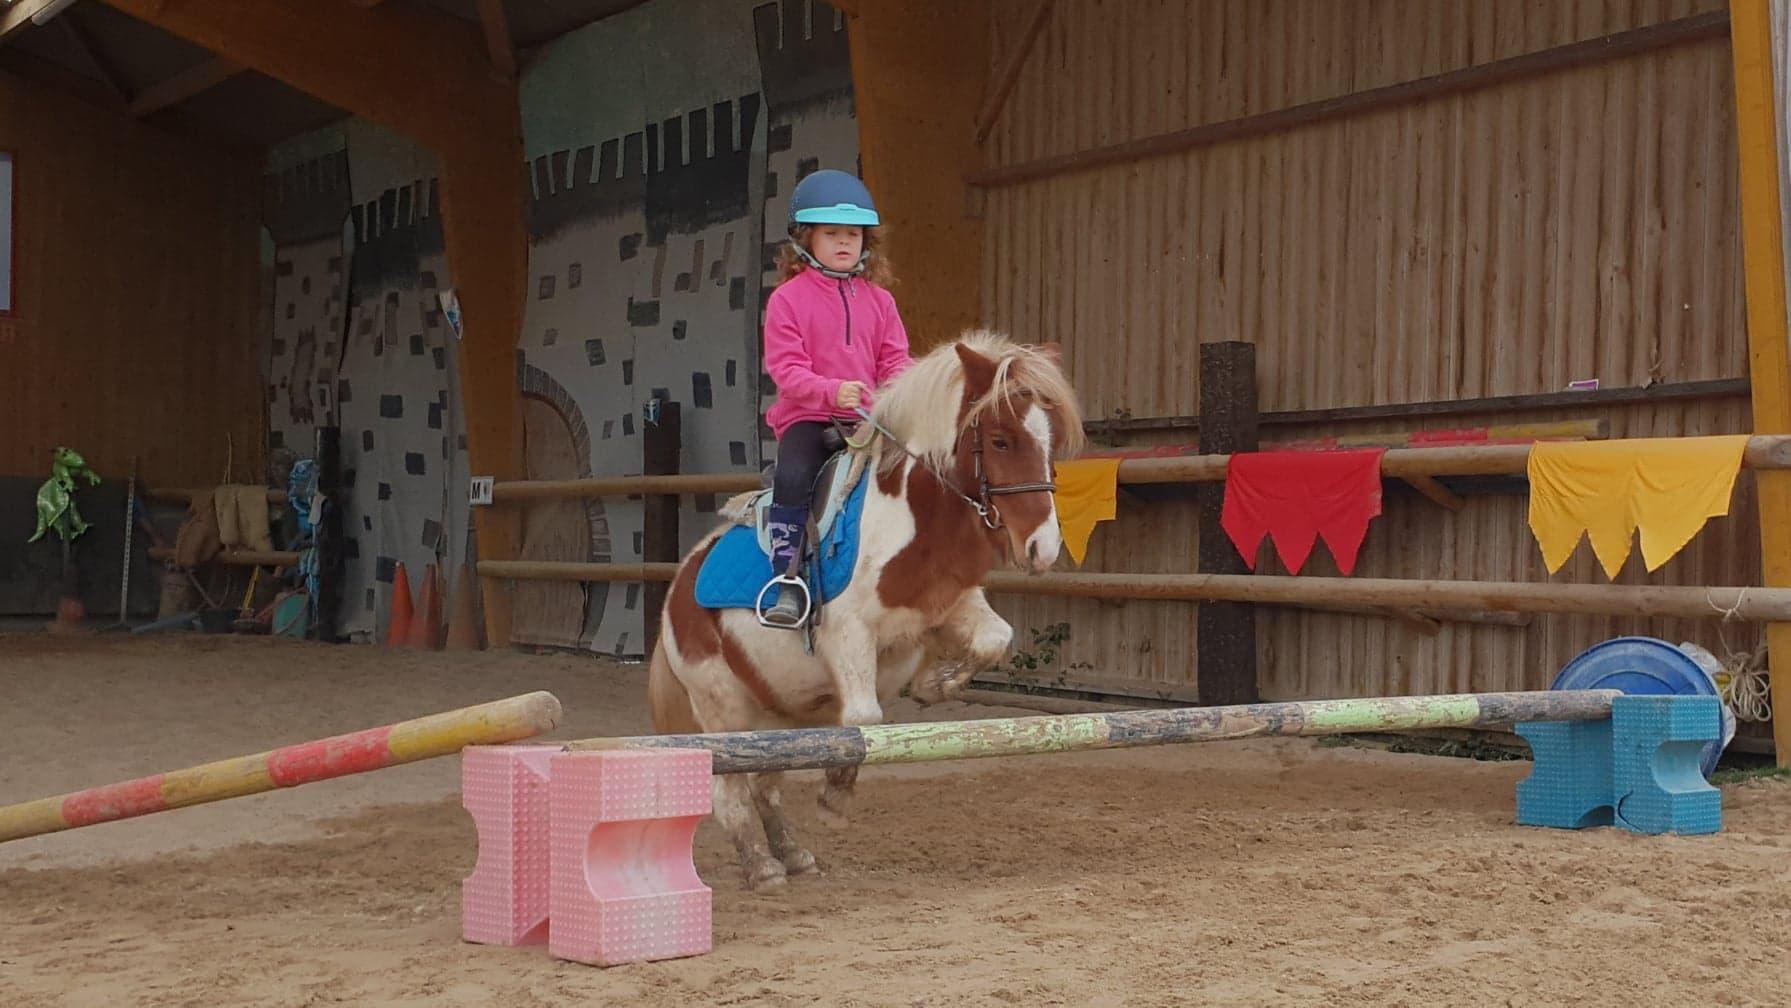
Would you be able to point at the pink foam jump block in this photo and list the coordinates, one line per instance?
(625, 887)
(505, 789)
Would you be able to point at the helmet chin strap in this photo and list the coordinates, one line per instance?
(834, 274)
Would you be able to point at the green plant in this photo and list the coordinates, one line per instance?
(1047, 645)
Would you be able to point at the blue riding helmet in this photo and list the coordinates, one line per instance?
(830, 196)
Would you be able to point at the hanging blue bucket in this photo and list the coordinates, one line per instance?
(1645, 666)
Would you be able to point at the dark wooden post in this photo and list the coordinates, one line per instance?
(1226, 630)
(332, 561)
(661, 436)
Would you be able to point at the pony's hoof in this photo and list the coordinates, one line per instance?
(832, 818)
(926, 694)
(766, 874)
(800, 862)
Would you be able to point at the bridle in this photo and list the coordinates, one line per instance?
(985, 508)
(982, 503)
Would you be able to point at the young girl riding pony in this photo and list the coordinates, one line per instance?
(832, 337)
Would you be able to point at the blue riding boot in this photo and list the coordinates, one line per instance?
(787, 529)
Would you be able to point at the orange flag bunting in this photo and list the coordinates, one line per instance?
(1086, 495)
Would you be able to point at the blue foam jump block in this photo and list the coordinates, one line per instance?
(1640, 770)
(1657, 745)
(1570, 783)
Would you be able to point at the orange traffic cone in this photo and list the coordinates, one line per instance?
(425, 626)
(70, 612)
(402, 614)
(463, 626)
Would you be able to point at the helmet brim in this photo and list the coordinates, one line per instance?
(844, 213)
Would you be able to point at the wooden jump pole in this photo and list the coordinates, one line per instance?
(1756, 605)
(444, 734)
(820, 748)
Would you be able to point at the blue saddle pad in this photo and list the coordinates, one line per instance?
(738, 568)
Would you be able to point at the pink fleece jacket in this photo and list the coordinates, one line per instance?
(820, 333)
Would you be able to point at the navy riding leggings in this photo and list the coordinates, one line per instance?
(800, 454)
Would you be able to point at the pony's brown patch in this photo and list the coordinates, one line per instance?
(693, 627)
(699, 635)
(889, 481)
(947, 557)
(741, 664)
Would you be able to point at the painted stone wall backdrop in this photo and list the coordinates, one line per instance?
(307, 204)
(663, 143)
(359, 340)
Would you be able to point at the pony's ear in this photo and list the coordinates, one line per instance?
(979, 372)
(1052, 350)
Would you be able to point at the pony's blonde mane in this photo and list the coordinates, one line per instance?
(921, 407)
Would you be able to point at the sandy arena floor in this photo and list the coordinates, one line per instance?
(1273, 872)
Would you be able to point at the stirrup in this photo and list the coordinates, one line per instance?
(790, 581)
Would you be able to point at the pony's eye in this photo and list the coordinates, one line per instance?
(1000, 443)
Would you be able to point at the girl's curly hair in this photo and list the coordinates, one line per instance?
(877, 268)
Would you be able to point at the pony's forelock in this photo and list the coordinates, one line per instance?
(921, 408)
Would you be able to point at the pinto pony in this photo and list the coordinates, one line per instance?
(961, 477)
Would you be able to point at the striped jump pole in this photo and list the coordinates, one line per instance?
(444, 734)
(817, 748)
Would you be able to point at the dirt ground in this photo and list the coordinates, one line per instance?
(1268, 872)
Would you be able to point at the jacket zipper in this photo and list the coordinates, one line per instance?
(847, 305)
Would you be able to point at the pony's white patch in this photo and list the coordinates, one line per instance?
(1038, 424)
(1047, 540)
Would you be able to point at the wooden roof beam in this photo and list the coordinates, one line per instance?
(408, 69)
(20, 14)
(83, 40)
(498, 44)
(54, 75)
(178, 88)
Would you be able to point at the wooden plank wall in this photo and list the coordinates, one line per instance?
(1581, 224)
(138, 280)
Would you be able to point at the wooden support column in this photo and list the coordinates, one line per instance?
(425, 75)
(332, 558)
(487, 245)
(918, 69)
(1226, 631)
(661, 440)
(1769, 359)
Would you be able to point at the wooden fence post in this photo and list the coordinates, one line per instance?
(1226, 641)
(661, 438)
(329, 537)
